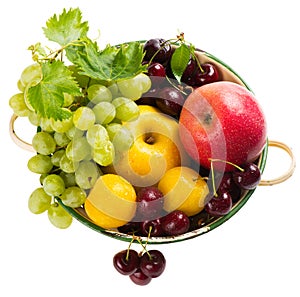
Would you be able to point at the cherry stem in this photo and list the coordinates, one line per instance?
(227, 162)
(128, 249)
(213, 174)
(213, 178)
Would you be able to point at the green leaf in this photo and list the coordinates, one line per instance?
(66, 28)
(47, 97)
(113, 63)
(179, 60)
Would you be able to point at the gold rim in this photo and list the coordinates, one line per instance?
(288, 173)
(17, 140)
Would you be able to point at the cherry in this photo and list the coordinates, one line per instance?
(149, 97)
(188, 74)
(175, 223)
(132, 227)
(219, 205)
(156, 69)
(139, 278)
(158, 50)
(170, 101)
(207, 74)
(152, 263)
(227, 184)
(152, 228)
(149, 203)
(126, 262)
(249, 178)
(196, 76)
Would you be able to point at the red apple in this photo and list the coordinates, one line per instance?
(222, 120)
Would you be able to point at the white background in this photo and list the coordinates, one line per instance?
(255, 253)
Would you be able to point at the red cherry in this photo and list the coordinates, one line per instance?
(126, 262)
(139, 278)
(153, 263)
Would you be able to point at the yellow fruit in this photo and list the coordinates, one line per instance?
(111, 202)
(156, 148)
(184, 189)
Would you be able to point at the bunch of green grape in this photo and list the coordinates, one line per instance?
(70, 153)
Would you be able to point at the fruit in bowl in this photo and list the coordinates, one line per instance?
(147, 142)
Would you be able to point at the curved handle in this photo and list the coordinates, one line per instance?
(20, 142)
(288, 173)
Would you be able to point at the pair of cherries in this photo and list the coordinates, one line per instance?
(141, 268)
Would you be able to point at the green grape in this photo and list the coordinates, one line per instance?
(96, 136)
(67, 165)
(69, 179)
(43, 143)
(30, 73)
(62, 126)
(129, 89)
(61, 139)
(105, 112)
(126, 109)
(120, 136)
(133, 88)
(59, 217)
(20, 86)
(114, 90)
(53, 185)
(99, 93)
(40, 164)
(143, 81)
(45, 125)
(73, 197)
(105, 155)
(68, 99)
(74, 132)
(87, 174)
(18, 105)
(39, 201)
(78, 149)
(34, 118)
(83, 118)
(42, 177)
(56, 157)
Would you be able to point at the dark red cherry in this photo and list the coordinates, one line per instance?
(149, 204)
(220, 205)
(175, 223)
(139, 278)
(249, 178)
(126, 262)
(158, 49)
(227, 184)
(207, 74)
(188, 74)
(152, 228)
(153, 263)
(170, 101)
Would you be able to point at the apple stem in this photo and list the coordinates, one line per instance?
(227, 162)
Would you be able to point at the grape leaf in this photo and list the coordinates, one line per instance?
(66, 28)
(113, 63)
(179, 60)
(47, 97)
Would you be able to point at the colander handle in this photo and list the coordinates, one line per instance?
(20, 142)
(288, 173)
